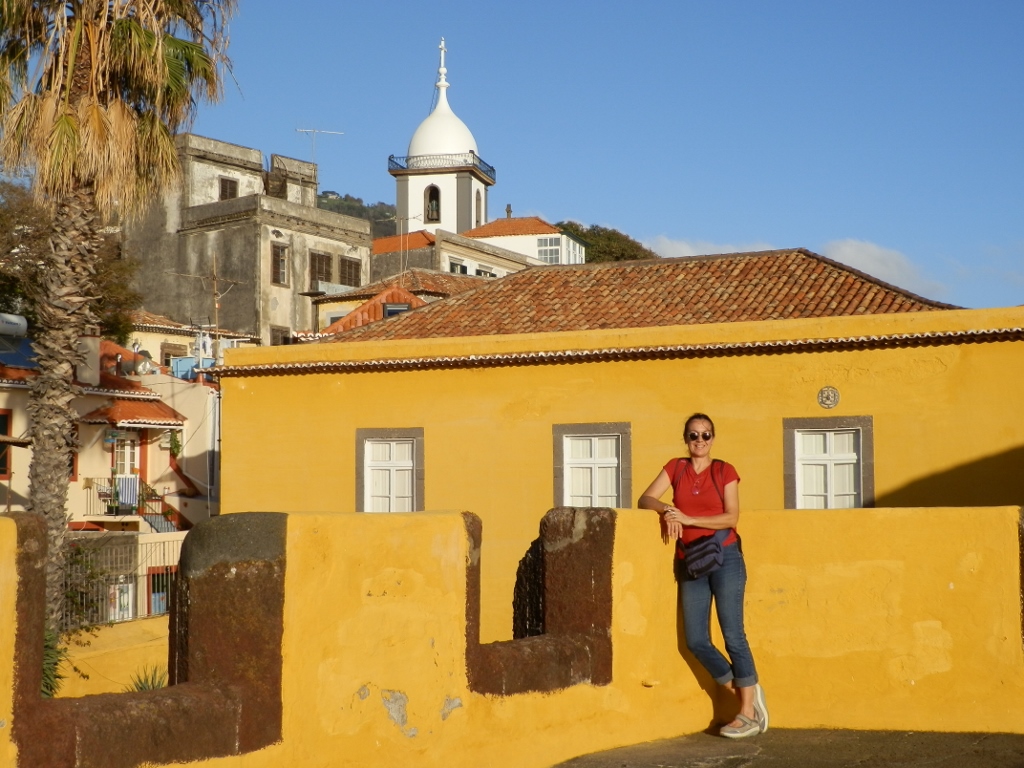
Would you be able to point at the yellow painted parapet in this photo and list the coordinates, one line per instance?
(8, 629)
(905, 619)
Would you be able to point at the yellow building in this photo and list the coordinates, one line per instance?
(570, 385)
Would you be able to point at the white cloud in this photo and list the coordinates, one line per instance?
(668, 248)
(885, 264)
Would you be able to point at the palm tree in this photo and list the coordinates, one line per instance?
(91, 95)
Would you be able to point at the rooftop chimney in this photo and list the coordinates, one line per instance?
(508, 211)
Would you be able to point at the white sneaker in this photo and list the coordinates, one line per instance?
(760, 708)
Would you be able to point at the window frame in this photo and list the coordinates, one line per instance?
(865, 424)
(350, 268)
(232, 187)
(418, 458)
(6, 449)
(317, 261)
(621, 429)
(279, 264)
(431, 215)
(285, 334)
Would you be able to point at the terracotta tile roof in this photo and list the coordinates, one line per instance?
(525, 225)
(109, 384)
(135, 412)
(373, 310)
(108, 359)
(767, 285)
(418, 239)
(143, 321)
(420, 282)
(118, 385)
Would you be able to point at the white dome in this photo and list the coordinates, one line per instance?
(442, 133)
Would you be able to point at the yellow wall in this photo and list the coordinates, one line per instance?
(916, 629)
(113, 655)
(947, 428)
(8, 628)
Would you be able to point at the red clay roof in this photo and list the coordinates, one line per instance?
(421, 282)
(137, 412)
(767, 285)
(373, 310)
(142, 320)
(418, 239)
(525, 225)
(109, 351)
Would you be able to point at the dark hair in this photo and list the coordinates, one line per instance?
(698, 417)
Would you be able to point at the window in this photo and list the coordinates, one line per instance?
(592, 464)
(167, 351)
(126, 453)
(319, 269)
(478, 219)
(457, 268)
(279, 264)
(548, 248)
(280, 336)
(6, 418)
(228, 189)
(829, 462)
(390, 310)
(350, 271)
(389, 470)
(485, 271)
(432, 204)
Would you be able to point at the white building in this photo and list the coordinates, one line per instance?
(534, 238)
(442, 183)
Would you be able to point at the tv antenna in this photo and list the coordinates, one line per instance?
(312, 135)
(216, 280)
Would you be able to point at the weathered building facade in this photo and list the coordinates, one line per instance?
(252, 236)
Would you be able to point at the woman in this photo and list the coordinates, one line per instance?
(705, 500)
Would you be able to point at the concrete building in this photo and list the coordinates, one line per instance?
(252, 236)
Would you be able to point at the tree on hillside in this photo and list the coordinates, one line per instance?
(604, 244)
(380, 215)
(91, 94)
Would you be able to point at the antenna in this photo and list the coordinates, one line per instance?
(217, 295)
(312, 135)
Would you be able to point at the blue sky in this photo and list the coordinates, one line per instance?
(889, 135)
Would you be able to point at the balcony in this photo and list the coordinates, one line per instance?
(127, 496)
(398, 166)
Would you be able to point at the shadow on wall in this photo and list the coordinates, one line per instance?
(993, 481)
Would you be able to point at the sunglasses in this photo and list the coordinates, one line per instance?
(694, 436)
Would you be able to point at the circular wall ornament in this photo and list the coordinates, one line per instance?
(828, 397)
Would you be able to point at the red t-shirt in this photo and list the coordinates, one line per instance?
(695, 495)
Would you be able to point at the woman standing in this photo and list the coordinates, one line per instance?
(705, 502)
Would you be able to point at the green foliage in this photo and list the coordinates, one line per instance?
(24, 229)
(605, 244)
(175, 443)
(147, 679)
(54, 652)
(382, 216)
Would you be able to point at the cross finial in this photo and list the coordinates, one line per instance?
(441, 71)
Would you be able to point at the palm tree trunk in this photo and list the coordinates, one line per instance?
(63, 297)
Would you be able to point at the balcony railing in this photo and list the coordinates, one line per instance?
(122, 495)
(430, 162)
(117, 578)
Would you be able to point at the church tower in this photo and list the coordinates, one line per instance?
(442, 182)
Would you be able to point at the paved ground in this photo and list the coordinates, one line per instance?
(780, 748)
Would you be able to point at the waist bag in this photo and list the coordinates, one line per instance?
(705, 555)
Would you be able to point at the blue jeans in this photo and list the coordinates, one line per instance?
(726, 585)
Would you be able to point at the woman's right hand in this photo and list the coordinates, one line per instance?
(672, 526)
